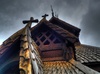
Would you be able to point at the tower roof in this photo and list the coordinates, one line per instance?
(72, 29)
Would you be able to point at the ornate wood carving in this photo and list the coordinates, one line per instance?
(29, 56)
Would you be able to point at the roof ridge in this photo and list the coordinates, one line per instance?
(63, 22)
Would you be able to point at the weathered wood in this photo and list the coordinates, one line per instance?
(87, 53)
(83, 68)
(25, 58)
(63, 67)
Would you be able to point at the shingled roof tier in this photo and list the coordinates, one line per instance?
(63, 67)
(86, 53)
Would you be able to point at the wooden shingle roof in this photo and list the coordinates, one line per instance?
(86, 53)
(63, 67)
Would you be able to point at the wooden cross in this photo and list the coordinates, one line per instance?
(30, 21)
(45, 15)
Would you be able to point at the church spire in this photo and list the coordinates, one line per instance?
(52, 11)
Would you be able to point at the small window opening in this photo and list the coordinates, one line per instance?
(43, 38)
(39, 35)
(35, 39)
(57, 41)
(48, 33)
(38, 43)
(46, 42)
(52, 37)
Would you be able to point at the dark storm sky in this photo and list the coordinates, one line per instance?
(84, 14)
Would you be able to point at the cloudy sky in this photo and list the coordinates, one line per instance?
(84, 14)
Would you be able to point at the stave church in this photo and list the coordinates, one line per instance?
(50, 47)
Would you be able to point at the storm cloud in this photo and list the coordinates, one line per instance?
(80, 13)
(90, 24)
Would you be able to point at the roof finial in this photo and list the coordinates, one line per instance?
(52, 11)
(45, 15)
(31, 20)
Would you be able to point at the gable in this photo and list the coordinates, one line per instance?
(74, 30)
(51, 41)
(47, 40)
(59, 30)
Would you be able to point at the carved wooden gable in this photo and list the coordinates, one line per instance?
(52, 45)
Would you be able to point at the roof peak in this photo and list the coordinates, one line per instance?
(45, 15)
(52, 11)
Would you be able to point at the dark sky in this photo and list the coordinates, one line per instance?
(84, 14)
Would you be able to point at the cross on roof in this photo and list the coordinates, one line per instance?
(45, 15)
(31, 20)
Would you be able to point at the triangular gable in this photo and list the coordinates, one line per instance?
(65, 26)
(64, 33)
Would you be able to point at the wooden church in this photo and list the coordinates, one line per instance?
(50, 47)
